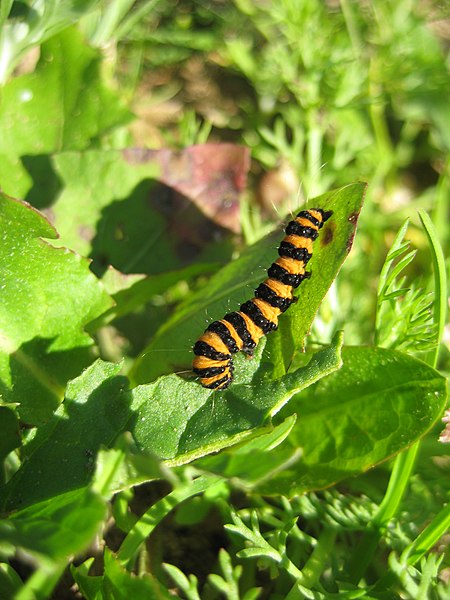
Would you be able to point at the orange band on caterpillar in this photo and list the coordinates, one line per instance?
(241, 330)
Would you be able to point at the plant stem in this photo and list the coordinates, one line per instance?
(441, 205)
(379, 125)
(429, 536)
(316, 563)
(398, 482)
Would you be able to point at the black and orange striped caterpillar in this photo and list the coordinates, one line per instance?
(241, 330)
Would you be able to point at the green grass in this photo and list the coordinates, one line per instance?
(317, 474)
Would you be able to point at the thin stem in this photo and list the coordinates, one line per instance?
(379, 125)
(429, 536)
(398, 482)
(315, 565)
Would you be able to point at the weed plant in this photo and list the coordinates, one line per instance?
(318, 474)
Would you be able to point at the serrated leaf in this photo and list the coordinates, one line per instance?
(48, 295)
(170, 349)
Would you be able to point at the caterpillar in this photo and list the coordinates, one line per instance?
(241, 330)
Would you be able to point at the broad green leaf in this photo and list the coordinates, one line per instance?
(255, 461)
(96, 184)
(142, 210)
(170, 349)
(61, 456)
(63, 104)
(171, 418)
(48, 296)
(379, 403)
(183, 421)
(330, 250)
(52, 528)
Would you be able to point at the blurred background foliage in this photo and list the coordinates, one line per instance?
(323, 93)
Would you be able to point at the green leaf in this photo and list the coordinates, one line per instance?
(48, 296)
(5, 8)
(440, 280)
(379, 403)
(61, 456)
(52, 528)
(117, 582)
(170, 349)
(90, 586)
(254, 461)
(171, 418)
(117, 206)
(158, 511)
(330, 250)
(63, 104)
(180, 421)
(188, 586)
(85, 200)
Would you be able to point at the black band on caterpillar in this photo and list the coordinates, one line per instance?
(305, 214)
(225, 336)
(238, 323)
(283, 276)
(250, 309)
(202, 348)
(259, 316)
(210, 371)
(291, 251)
(265, 293)
(218, 384)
